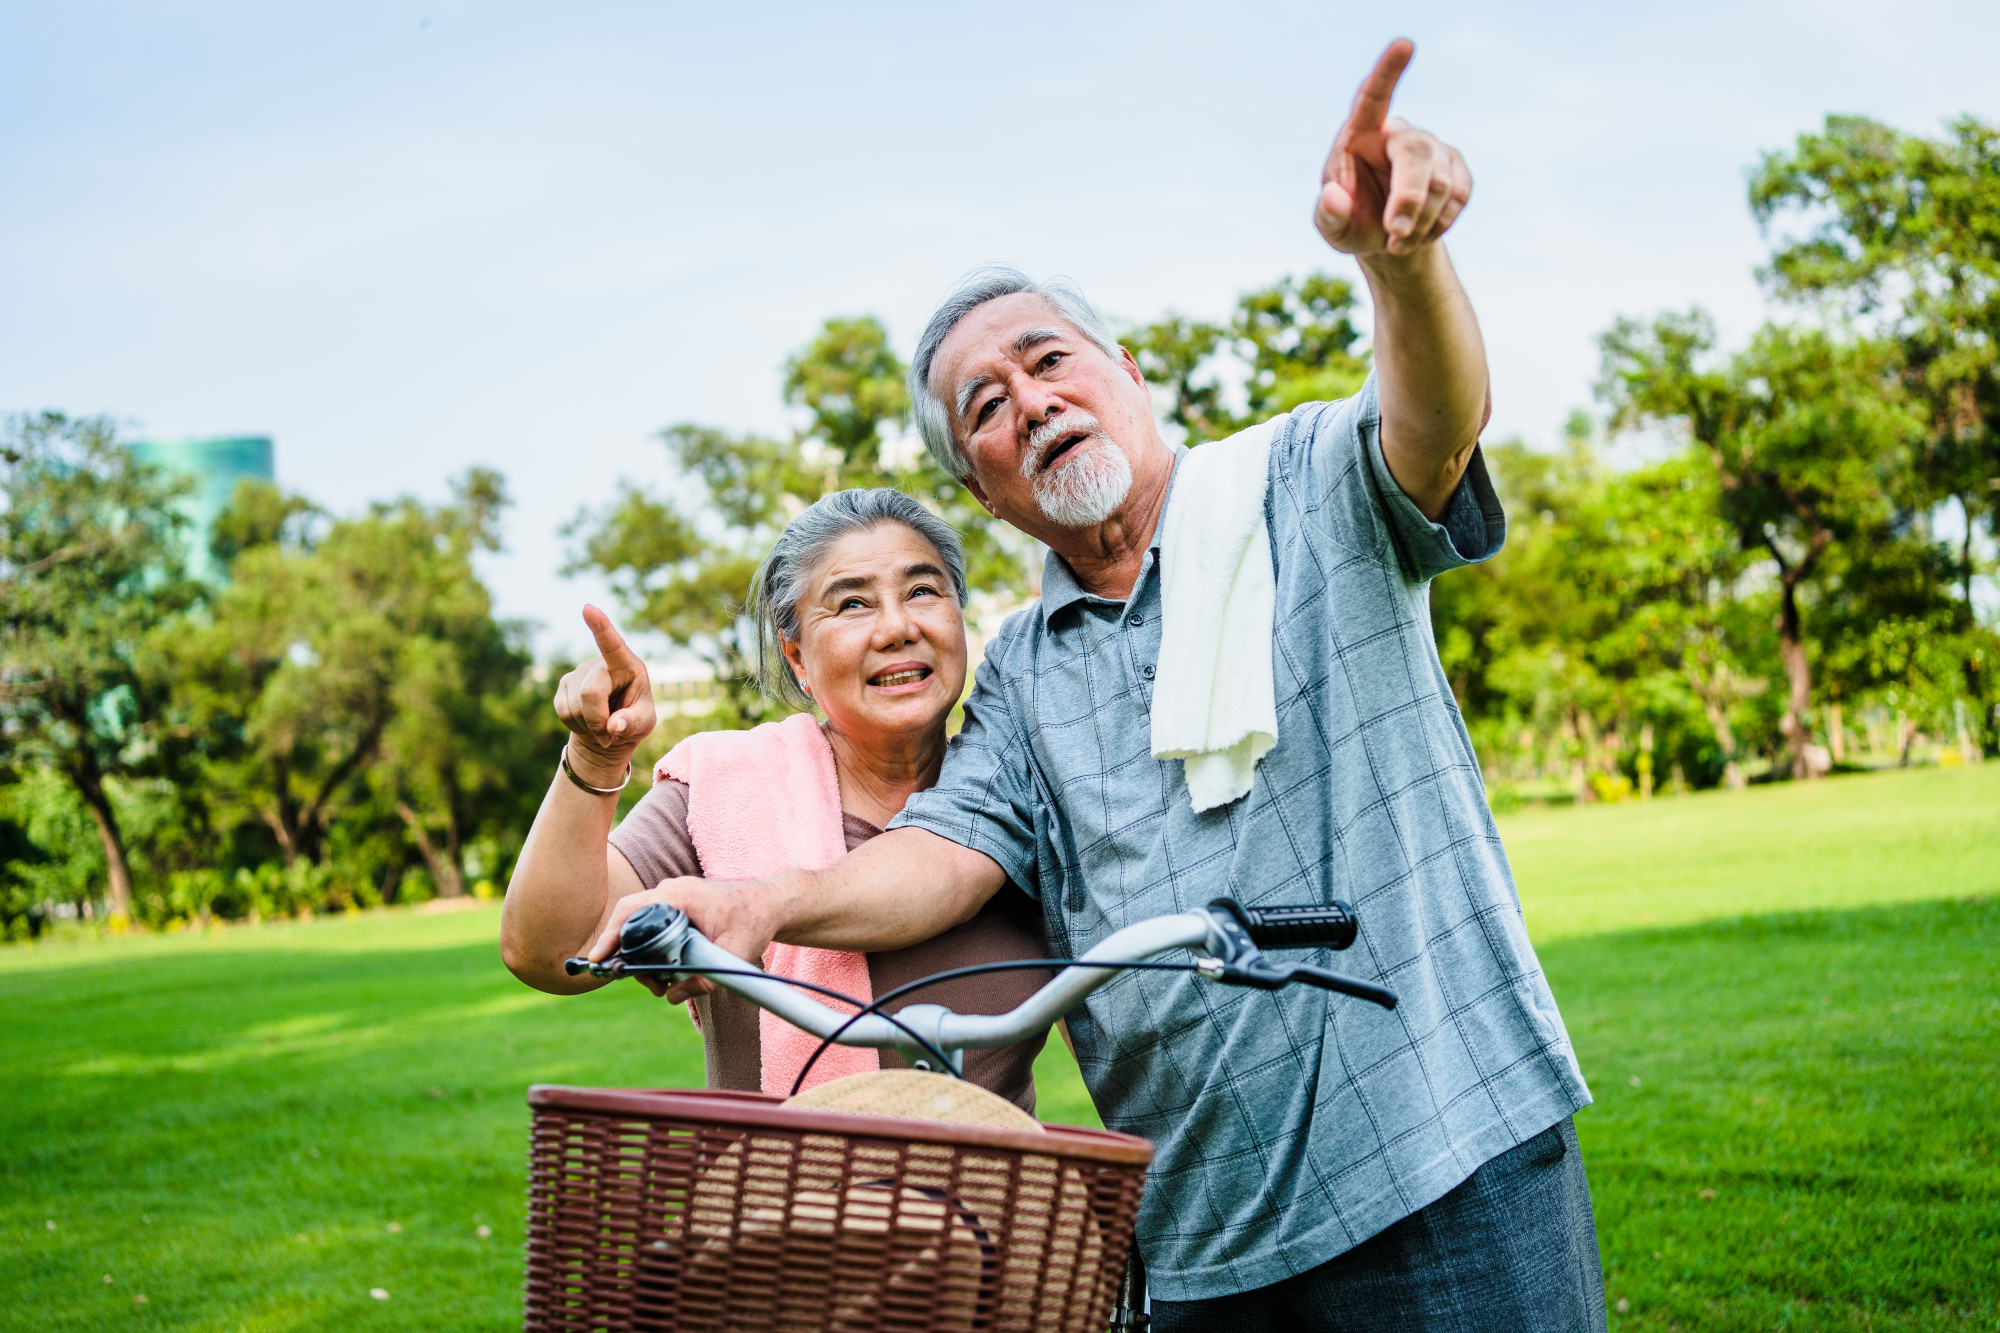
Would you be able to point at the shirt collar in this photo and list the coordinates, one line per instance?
(1059, 586)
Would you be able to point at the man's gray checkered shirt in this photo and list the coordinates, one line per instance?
(1290, 1126)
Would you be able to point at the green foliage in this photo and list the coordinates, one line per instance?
(90, 570)
(1905, 231)
(684, 570)
(339, 723)
(1809, 439)
(1290, 343)
(352, 689)
(1612, 634)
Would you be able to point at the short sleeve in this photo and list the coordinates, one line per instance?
(985, 794)
(1341, 445)
(654, 835)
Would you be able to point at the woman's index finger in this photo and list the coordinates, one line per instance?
(610, 643)
(1371, 102)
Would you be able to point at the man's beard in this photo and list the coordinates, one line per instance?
(1083, 490)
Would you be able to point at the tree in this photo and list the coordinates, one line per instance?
(683, 570)
(354, 670)
(1611, 631)
(471, 741)
(1290, 343)
(90, 566)
(1807, 436)
(1904, 236)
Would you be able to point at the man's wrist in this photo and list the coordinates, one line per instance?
(783, 901)
(1422, 268)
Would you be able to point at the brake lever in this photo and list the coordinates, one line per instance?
(1340, 982)
(1260, 975)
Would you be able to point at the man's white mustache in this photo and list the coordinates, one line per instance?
(1043, 437)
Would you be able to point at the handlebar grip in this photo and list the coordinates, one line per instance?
(1314, 926)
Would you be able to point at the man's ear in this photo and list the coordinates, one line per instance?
(1131, 366)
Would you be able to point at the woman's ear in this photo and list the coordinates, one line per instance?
(796, 660)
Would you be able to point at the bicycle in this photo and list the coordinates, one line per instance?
(903, 1199)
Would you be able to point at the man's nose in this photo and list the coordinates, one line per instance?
(1038, 403)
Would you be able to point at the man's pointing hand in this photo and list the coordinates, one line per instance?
(1388, 188)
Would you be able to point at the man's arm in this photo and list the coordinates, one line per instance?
(895, 890)
(1388, 194)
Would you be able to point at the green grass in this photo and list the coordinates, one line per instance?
(229, 1125)
(1861, 841)
(1796, 1118)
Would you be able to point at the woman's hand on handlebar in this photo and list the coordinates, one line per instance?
(607, 704)
(734, 914)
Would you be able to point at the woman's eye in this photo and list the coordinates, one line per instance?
(1050, 360)
(923, 590)
(847, 602)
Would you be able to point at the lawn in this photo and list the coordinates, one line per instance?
(1787, 1002)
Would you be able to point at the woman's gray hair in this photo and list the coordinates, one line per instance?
(785, 577)
(975, 289)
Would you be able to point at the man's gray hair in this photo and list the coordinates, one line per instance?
(975, 289)
(785, 577)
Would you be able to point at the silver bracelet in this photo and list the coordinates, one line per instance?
(594, 791)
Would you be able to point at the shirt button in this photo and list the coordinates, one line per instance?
(1136, 621)
(1147, 672)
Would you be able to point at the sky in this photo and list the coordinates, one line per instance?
(407, 237)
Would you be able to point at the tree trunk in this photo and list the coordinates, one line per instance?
(91, 788)
(1966, 568)
(309, 825)
(444, 873)
(283, 816)
(1836, 737)
(1714, 702)
(1798, 677)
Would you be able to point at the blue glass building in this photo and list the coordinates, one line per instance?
(216, 464)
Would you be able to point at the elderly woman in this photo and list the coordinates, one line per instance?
(858, 608)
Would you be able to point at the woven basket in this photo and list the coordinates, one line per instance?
(683, 1211)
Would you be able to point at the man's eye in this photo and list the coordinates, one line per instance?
(986, 410)
(1050, 360)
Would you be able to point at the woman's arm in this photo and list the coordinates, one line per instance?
(569, 877)
(565, 884)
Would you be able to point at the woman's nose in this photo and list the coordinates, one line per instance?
(895, 624)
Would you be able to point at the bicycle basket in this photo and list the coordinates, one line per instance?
(683, 1211)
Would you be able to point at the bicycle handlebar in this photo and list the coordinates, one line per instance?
(659, 939)
(1314, 925)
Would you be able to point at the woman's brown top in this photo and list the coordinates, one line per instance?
(654, 838)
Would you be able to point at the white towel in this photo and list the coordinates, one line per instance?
(1215, 704)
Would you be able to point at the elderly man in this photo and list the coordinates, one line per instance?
(1320, 1164)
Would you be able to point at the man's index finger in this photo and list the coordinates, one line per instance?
(1371, 103)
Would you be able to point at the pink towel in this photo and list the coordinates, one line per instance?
(761, 802)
